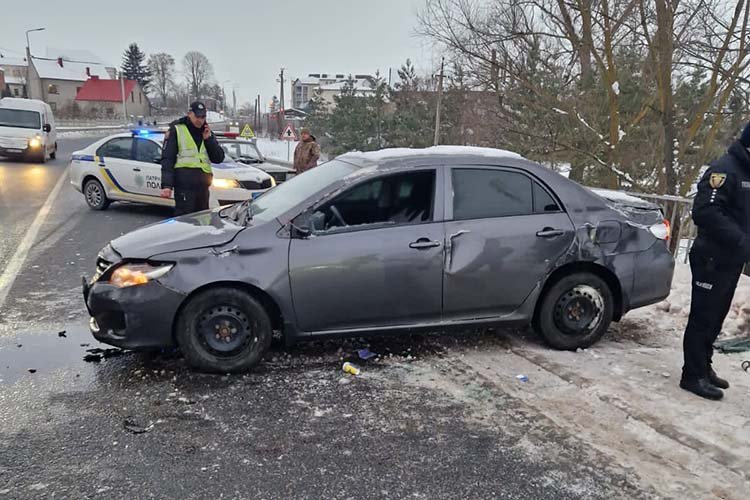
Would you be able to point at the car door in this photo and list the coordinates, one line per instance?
(504, 232)
(147, 167)
(115, 160)
(384, 267)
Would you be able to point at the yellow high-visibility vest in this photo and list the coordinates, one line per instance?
(188, 153)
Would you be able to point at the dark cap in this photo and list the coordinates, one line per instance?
(198, 109)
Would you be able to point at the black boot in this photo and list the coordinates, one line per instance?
(703, 388)
(716, 380)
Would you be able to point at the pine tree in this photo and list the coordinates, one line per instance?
(134, 66)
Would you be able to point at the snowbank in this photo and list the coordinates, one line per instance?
(671, 315)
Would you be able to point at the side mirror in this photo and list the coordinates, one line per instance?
(157, 161)
(47, 128)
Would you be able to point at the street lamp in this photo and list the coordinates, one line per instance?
(27, 37)
(28, 60)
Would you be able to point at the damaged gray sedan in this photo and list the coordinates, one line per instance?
(385, 242)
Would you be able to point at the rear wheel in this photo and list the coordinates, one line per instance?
(223, 330)
(53, 154)
(575, 312)
(96, 197)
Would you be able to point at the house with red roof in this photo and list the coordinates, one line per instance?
(105, 98)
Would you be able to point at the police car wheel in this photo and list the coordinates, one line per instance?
(223, 330)
(96, 198)
(575, 311)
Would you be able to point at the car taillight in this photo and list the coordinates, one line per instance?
(661, 230)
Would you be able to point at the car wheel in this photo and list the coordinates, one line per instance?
(95, 196)
(575, 312)
(53, 154)
(223, 330)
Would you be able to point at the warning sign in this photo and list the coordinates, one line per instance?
(289, 134)
(247, 132)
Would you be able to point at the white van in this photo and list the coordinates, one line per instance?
(27, 129)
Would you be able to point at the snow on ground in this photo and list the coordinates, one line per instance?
(671, 315)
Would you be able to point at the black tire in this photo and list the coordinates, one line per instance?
(575, 311)
(96, 197)
(53, 154)
(223, 330)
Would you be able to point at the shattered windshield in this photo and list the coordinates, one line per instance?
(283, 198)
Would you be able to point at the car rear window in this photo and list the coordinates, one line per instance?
(485, 193)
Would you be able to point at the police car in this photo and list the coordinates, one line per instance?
(127, 167)
(245, 151)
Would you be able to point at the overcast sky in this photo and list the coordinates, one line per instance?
(247, 41)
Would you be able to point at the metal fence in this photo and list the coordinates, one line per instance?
(677, 210)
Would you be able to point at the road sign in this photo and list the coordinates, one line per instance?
(247, 132)
(289, 134)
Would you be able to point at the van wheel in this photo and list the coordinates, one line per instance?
(96, 197)
(223, 330)
(575, 312)
(53, 154)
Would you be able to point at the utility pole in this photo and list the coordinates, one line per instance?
(439, 101)
(281, 102)
(234, 102)
(122, 94)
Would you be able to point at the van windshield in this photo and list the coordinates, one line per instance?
(20, 118)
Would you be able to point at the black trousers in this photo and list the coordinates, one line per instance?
(713, 288)
(189, 200)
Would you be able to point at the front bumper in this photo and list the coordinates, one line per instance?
(17, 152)
(135, 317)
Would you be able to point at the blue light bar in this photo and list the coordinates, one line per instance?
(145, 132)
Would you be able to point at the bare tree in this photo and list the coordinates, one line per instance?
(161, 66)
(198, 71)
(629, 92)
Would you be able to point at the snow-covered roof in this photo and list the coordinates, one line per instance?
(15, 80)
(79, 55)
(308, 81)
(359, 85)
(74, 71)
(11, 60)
(383, 154)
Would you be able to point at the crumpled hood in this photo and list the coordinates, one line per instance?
(199, 230)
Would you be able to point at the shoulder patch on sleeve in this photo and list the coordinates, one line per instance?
(717, 180)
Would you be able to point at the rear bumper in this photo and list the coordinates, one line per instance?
(136, 317)
(654, 269)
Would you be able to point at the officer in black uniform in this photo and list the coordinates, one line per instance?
(189, 185)
(721, 212)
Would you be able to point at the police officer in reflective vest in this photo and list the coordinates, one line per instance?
(189, 150)
(721, 212)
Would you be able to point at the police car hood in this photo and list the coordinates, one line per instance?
(198, 230)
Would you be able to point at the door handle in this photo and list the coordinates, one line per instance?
(549, 232)
(423, 243)
(136, 169)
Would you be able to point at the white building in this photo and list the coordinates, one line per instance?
(14, 69)
(326, 85)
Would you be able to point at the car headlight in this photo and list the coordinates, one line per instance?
(225, 183)
(273, 182)
(35, 142)
(137, 274)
